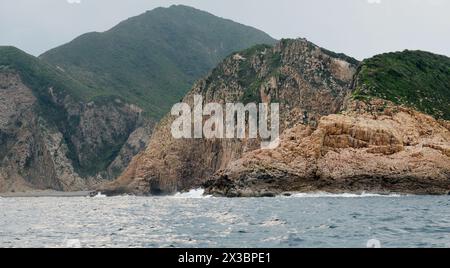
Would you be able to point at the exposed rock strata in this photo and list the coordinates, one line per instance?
(36, 153)
(386, 149)
(307, 81)
(330, 142)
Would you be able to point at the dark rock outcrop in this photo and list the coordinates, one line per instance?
(61, 144)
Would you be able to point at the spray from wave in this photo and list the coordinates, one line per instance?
(194, 194)
(343, 195)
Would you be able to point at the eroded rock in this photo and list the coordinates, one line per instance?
(403, 151)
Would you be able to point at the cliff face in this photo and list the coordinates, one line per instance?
(341, 131)
(17, 136)
(307, 81)
(373, 147)
(55, 142)
(380, 142)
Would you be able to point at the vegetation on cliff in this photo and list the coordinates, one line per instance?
(39, 75)
(307, 81)
(414, 78)
(55, 91)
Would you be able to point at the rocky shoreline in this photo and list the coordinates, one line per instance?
(336, 137)
(392, 150)
(48, 193)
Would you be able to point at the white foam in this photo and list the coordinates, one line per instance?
(195, 193)
(343, 195)
(72, 243)
(100, 195)
(273, 222)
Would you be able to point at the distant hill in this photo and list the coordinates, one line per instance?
(50, 134)
(415, 78)
(152, 60)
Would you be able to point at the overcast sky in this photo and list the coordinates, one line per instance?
(360, 28)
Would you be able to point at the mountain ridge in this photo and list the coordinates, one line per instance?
(185, 43)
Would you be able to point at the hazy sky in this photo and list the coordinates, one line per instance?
(360, 28)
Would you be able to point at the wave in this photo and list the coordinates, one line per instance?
(99, 195)
(200, 193)
(195, 193)
(343, 195)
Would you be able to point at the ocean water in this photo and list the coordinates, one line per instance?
(190, 220)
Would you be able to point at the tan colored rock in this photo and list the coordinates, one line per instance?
(329, 142)
(405, 152)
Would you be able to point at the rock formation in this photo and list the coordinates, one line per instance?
(37, 152)
(337, 137)
(307, 81)
(384, 150)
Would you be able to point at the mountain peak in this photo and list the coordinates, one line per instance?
(152, 59)
(177, 8)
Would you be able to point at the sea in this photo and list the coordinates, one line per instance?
(192, 220)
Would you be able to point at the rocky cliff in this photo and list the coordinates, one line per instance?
(50, 139)
(308, 82)
(391, 136)
(343, 128)
(372, 147)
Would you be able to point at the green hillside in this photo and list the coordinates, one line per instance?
(152, 60)
(414, 78)
(39, 75)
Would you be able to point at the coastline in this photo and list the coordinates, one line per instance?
(48, 194)
(203, 193)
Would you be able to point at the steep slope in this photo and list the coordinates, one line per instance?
(153, 59)
(338, 134)
(381, 142)
(307, 81)
(50, 136)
